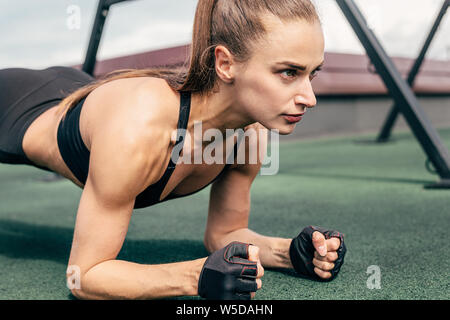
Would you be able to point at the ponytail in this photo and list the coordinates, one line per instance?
(201, 73)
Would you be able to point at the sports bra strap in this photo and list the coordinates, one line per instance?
(152, 194)
(185, 108)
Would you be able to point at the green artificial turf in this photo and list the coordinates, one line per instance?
(372, 193)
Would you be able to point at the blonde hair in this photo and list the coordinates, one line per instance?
(235, 24)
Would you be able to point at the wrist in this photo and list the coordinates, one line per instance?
(275, 254)
(281, 252)
(194, 276)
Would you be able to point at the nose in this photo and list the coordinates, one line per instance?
(306, 97)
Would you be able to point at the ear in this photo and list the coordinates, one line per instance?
(224, 64)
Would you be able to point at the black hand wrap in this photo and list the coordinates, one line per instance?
(302, 253)
(228, 275)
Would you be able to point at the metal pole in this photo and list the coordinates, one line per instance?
(400, 91)
(96, 34)
(386, 130)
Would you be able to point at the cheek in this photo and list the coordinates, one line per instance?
(262, 94)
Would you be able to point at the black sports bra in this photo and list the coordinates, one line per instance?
(76, 155)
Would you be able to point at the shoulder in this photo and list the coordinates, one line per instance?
(131, 146)
(132, 102)
(151, 102)
(134, 110)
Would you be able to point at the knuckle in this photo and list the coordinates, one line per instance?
(317, 271)
(253, 251)
(336, 243)
(317, 235)
(260, 271)
(254, 248)
(322, 274)
(333, 256)
(323, 265)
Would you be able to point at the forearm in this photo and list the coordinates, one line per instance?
(116, 279)
(274, 252)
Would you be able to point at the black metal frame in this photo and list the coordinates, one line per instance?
(389, 123)
(96, 34)
(401, 92)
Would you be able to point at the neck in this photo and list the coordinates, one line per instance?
(218, 110)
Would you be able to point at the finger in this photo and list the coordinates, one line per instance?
(253, 270)
(318, 240)
(246, 285)
(330, 257)
(322, 274)
(333, 244)
(237, 249)
(323, 265)
(239, 253)
(260, 270)
(256, 271)
(250, 271)
(258, 284)
(253, 255)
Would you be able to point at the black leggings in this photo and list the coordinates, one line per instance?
(24, 95)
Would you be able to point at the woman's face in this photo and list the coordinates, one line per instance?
(276, 81)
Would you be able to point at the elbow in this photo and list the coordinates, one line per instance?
(77, 293)
(75, 289)
(81, 294)
(213, 242)
(73, 282)
(208, 245)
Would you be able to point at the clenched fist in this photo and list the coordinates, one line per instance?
(318, 253)
(231, 273)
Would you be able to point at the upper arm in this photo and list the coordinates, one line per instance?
(229, 205)
(121, 167)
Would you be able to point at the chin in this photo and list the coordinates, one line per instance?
(284, 129)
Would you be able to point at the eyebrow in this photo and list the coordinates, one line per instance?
(299, 67)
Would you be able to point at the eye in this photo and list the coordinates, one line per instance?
(314, 73)
(291, 73)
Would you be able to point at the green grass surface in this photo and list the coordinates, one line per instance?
(372, 193)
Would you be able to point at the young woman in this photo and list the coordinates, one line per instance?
(251, 67)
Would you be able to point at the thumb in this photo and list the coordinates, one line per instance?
(318, 240)
(253, 253)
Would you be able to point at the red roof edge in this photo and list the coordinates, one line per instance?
(342, 74)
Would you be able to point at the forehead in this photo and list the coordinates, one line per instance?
(297, 41)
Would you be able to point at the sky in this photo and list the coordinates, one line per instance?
(42, 33)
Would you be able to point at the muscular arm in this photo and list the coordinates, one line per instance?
(229, 211)
(99, 234)
(120, 168)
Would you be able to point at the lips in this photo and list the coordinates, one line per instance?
(294, 118)
(295, 115)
